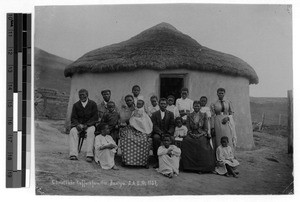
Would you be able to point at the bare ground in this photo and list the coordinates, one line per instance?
(265, 170)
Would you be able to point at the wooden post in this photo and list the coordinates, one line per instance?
(290, 122)
(262, 122)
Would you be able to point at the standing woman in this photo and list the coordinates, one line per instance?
(197, 153)
(184, 104)
(222, 113)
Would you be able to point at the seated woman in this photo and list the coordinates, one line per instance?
(134, 143)
(197, 153)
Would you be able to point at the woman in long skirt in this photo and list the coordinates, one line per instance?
(197, 152)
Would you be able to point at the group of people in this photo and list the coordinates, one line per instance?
(186, 135)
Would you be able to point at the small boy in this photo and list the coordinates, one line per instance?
(154, 105)
(171, 107)
(168, 157)
(105, 149)
(180, 131)
(111, 118)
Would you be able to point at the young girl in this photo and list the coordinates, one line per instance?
(184, 104)
(154, 105)
(171, 107)
(140, 119)
(168, 157)
(226, 161)
(105, 149)
(180, 131)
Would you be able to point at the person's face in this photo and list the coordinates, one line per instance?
(129, 101)
(136, 91)
(83, 96)
(184, 94)
(163, 105)
(178, 123)
(167, 142)
(106, 96)
(224, 143)
(221, 95)
(105, 130)
(139, 104)
(170, 101)
(203, 102)
(153, 102)
(196, 107)
(111, 107)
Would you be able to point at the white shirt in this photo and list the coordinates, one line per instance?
(84, 103)
(162, 114)
(185, 105)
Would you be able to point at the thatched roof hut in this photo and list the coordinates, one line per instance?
(161, 47)
(161, 60)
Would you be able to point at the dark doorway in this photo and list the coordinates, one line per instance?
(171, 85)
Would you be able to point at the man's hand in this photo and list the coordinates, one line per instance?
(80, 127)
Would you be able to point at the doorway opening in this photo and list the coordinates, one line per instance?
(171, 84)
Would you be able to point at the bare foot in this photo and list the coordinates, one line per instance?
(227, 175)
(115, 168)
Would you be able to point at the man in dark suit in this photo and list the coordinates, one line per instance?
(163, 123)
(83, 118)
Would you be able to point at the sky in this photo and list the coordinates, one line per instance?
(261, 35)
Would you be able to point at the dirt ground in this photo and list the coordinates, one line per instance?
(267, 169)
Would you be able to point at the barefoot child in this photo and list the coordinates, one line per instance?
(180, 131)
(226, 161)
(105, 149)
(168, 156)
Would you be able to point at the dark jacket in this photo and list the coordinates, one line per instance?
(87, 115)
(166, 125)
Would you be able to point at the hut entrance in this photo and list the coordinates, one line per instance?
(171, 85)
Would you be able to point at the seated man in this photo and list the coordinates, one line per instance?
(83, 118)
(163, 123)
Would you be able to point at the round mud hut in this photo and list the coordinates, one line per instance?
(162, 60)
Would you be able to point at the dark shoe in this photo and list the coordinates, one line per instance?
(89, 159)
(73, 158)
(147, 166)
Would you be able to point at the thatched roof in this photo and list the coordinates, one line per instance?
(159, 48)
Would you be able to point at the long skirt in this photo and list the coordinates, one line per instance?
(197, 155)
(134, 146)
(221, 168)
(222, 130)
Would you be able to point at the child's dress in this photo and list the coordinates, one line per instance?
(180, 132)
(224, 154)
(168, 164)
(105, 157)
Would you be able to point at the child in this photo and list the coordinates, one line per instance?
(184, 104)
(111, 118)
(154, 105)
(140, 119)
(105, 149)
(180, 131)
(136, 94)
(226, 161)
(204, 109)
(171, 107)
(168, 157)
